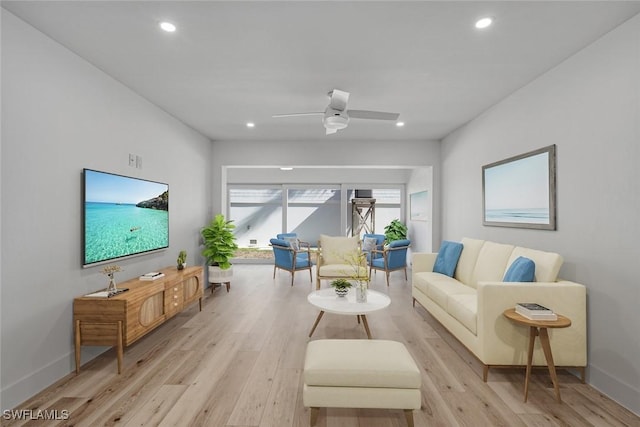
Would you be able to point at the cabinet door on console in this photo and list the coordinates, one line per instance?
(192, 289)
(144, 312)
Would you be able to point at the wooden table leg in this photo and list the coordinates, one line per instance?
(546, 347)
(366, 325)
(533, 331)
(120, 347)
(316, 323)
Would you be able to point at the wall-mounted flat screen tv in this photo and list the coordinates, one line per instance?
(122, 216)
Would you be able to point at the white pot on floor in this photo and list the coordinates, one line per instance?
(217, 275)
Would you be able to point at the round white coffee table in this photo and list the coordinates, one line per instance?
(327, 301)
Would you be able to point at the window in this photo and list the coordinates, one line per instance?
(313, 211)
(261, 212)
(257, 214)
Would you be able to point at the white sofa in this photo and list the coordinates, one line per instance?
(470, 304)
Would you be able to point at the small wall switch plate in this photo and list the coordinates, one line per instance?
(132, 160)
(139, 162)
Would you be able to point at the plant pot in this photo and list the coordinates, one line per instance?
(217, 275)
(182, 266)
(342, 292)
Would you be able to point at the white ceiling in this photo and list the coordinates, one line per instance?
(233, 62)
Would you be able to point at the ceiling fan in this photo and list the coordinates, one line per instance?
(336, 116)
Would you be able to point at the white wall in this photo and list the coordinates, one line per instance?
(424, 237)
(589, 106)
(324, 175)
(392, 158)
(59, 115)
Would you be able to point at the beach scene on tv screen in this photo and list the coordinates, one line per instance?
(123, 216)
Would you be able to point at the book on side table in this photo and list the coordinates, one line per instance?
(535, 311)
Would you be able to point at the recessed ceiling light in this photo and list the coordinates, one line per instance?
(168, 27)
(251, 125)
(286, 169)
(399, 124)
(484, 22)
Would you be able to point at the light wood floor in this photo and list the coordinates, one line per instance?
(239, 363)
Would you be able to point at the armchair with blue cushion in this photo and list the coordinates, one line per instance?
(289, 258)
(371, 242)
(393, 257)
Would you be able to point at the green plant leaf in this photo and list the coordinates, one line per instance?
(396, 230)
(219, 242)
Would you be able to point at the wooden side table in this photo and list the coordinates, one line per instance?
(539, 328)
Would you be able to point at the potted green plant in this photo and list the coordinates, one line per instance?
(396, 230)
(341, 286)
(182, 260)
(219, 247)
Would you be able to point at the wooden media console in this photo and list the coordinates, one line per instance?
(122, 319)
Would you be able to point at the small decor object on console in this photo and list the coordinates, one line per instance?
(535, 311)
(111, 270)
(182, 260)
(154, 275)
(105, 294)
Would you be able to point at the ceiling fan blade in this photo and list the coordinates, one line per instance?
(317, 113)
(339, 99)
(375, 115)
(330, 131)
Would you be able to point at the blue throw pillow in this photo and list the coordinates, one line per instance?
(447, 258)
(521, 270)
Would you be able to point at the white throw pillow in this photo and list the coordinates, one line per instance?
(293, 242)
(369, 244)
(338, 249)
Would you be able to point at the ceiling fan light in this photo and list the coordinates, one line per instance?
(336, 122)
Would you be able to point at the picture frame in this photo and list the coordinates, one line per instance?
(419, 205)
(521, 191)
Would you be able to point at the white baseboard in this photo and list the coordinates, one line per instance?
(625, 394)
(28, 386)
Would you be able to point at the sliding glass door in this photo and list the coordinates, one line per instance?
(262, 211)
(313, 211)
(257, 214)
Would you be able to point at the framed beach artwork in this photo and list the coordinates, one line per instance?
(418, 205)
(521, 191)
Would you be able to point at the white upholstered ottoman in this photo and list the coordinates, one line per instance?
(360, 374)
